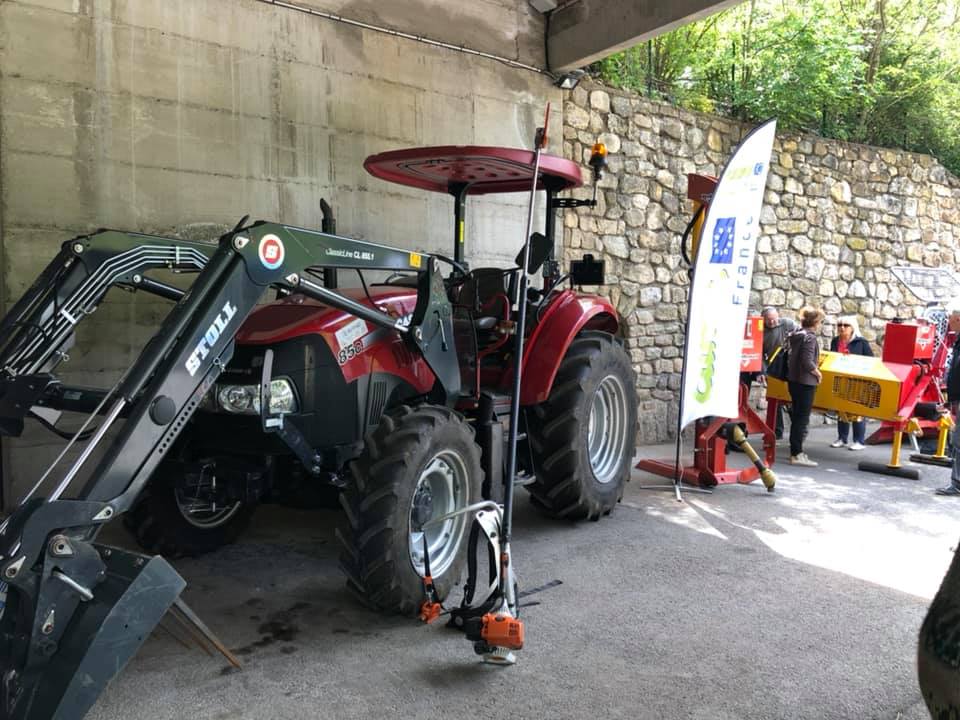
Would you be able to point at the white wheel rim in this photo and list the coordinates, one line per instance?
(607, 429)
(202, 512)
(441, 488)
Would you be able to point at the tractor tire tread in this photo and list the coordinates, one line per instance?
(564, 485)
(372, 546)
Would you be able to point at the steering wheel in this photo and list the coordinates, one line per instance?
(453, 263)
(395, 276)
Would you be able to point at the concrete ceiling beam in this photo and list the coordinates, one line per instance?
(586, 31)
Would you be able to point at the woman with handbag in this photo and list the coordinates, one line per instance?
(775, 332)
(849, 341)
(803, 376)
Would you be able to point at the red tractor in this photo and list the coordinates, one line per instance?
(354, 410)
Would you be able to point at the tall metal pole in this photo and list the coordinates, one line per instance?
(459, 193)
(521, 303)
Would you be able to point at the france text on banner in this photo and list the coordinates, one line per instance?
(722, 274)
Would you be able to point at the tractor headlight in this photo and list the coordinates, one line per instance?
(282, 397)
(239, 398)
(245, 399)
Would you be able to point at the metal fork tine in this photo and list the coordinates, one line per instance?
(197, 623)
(196, 637)
(176, 636)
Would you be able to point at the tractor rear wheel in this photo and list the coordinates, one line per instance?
(583, 435)
(420, 463)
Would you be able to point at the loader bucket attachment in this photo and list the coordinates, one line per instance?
(100, 638)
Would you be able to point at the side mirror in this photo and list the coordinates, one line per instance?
(540, 248)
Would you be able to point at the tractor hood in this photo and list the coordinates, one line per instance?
(297, 315)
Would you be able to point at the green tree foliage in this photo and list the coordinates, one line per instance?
(882, 72)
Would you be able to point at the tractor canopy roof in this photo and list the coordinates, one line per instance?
(448, 168)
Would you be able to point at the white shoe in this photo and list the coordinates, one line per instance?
(857, 446)
(838, 443)
(803, 460)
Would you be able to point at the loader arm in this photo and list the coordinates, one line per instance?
(77, 611)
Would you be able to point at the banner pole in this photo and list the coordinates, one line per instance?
(677, 469)
(678, 472)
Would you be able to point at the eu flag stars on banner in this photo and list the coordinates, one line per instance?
(723, 240)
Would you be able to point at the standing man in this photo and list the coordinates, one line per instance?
(775, 331)
(953, 397)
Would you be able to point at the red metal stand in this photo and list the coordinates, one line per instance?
(884, 433)
(924, 381)
(772, 405)
(709, 453)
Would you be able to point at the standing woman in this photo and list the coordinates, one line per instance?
(803, 376)
(849, 341)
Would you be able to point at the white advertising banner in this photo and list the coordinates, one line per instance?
(722, 273)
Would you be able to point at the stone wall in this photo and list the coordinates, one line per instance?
(178, 117)
(837, 217)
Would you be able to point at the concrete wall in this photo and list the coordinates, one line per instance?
(180, 116)
(836, 217)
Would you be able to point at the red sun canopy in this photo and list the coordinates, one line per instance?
(446, 168)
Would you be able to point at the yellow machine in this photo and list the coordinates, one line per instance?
(852, 384)
(900, 388)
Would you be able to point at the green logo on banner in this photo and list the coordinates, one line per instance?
(708, 355)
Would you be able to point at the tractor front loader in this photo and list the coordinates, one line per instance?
(76, 611)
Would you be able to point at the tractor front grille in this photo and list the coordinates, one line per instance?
(857, 390)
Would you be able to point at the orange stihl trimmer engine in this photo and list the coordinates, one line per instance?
(492, 624)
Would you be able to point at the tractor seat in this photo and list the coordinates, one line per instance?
(482, 286)
(484, 294)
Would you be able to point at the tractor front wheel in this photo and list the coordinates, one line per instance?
(420, 463)
(583, 435)
(183, 515)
